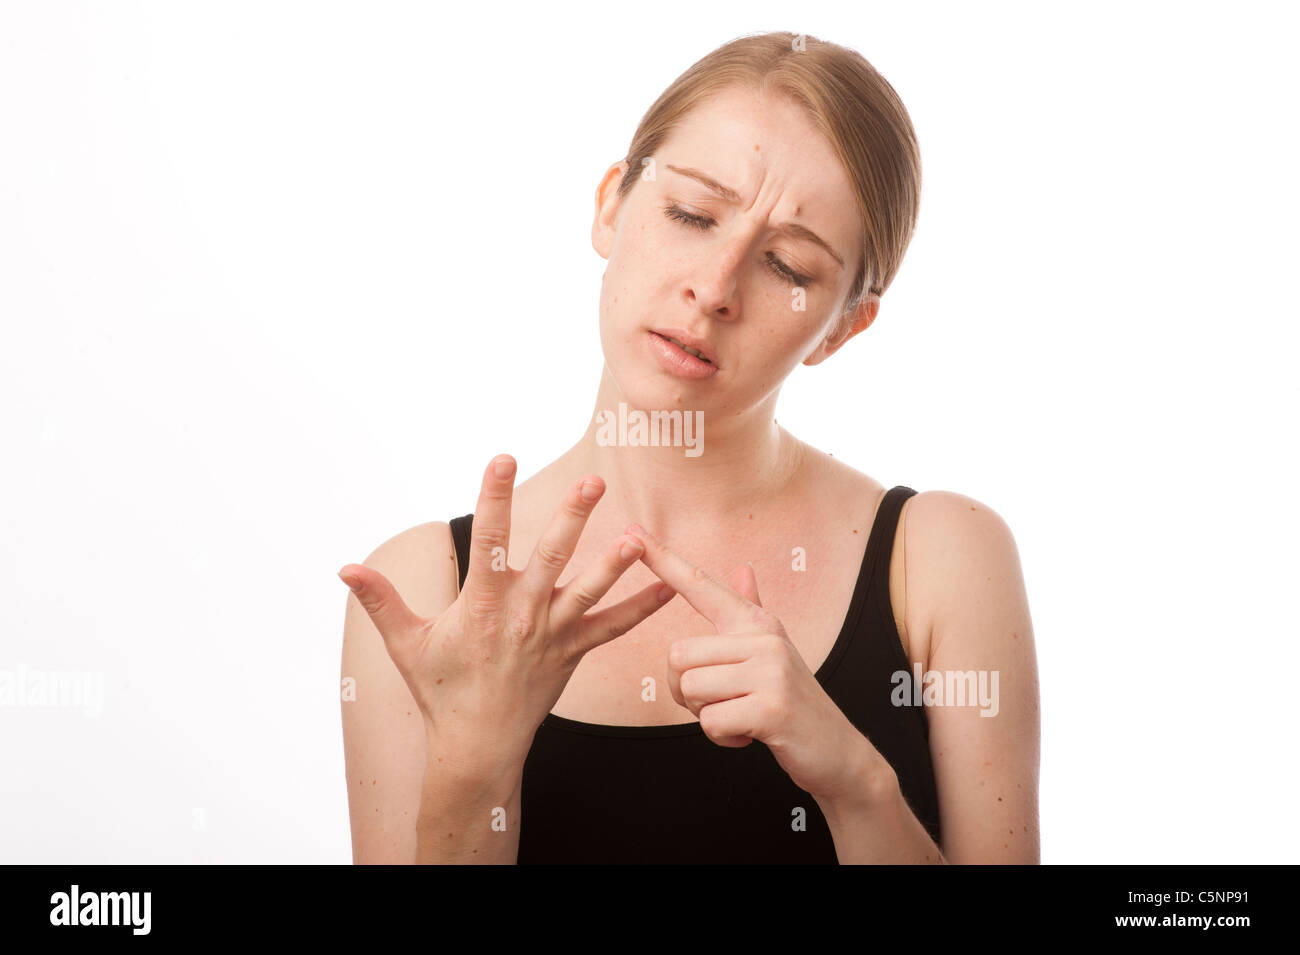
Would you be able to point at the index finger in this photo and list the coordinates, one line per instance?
(727, 610)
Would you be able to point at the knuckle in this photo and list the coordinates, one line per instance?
(493, 537)
(375, 605)
(616, 627)
(581, 595)
(709, 720)
(483, 612)
(575, 506)
(551, 555)
(520, 625)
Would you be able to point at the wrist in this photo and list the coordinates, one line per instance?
(471, 757)
(868, 782)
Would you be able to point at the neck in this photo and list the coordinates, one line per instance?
(722, 467)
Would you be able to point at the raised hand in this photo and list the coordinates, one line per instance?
(748, 682)
(488, 669)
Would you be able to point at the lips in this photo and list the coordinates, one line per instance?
(675, 359)
(689, 350)
(688, 343)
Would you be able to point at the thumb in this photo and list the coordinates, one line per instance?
(745, 583)
(394, 620)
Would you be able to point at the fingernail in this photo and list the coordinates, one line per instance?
(352, 582)
(630, 550)
(590, 491)
(503, 469)
(665, 593)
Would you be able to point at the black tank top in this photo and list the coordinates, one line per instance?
(668, 794)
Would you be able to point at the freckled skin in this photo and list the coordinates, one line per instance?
(659, 272)
(751, 301)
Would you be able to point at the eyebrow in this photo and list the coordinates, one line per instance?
(792, 229)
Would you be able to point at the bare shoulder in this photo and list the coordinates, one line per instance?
(424, 557)
(946, 525)
(960, 553)
(383, 732)
(966, 583)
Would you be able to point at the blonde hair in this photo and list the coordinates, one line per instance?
(856, 109)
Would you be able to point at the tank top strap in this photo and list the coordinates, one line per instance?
(880, 545)
(880, 550)
(460, 536)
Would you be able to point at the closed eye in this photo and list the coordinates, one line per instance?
(704, 223)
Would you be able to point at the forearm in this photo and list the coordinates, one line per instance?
(469, 809)
(872, 823)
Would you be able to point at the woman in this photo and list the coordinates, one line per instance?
(535, 693)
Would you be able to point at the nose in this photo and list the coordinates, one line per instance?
(714, 287)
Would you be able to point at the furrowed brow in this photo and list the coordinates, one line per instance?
(731, 195)
(792, 229)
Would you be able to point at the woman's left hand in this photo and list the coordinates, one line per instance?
(748, 682)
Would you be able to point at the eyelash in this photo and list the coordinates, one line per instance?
(702, 223)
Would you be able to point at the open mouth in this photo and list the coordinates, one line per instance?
(680, 359)
(686, 348)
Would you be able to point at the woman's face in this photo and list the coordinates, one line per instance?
(715, 249)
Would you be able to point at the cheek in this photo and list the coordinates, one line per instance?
(785, 341)
(635, 270)
(785, 326)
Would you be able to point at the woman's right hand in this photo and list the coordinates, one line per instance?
(486, 672)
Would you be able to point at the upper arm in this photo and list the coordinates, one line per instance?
(970, 591)
(383, 731)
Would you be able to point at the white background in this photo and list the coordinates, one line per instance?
(263, 264)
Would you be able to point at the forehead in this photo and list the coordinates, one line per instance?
(746, 140)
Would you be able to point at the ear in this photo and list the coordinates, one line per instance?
(607, 206)
(846, 326)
